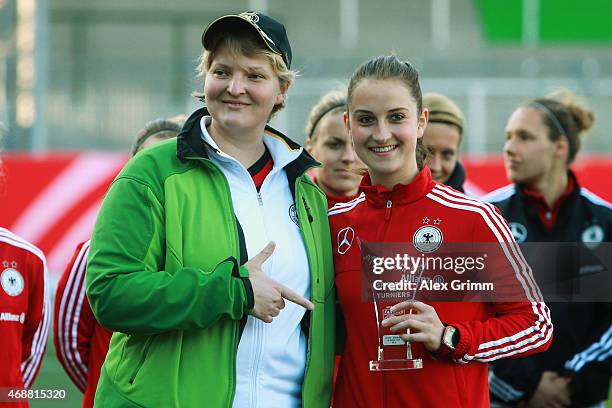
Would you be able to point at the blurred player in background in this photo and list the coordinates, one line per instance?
(24, 312)
(81, 343)
(329, 143)
(546, 204)
(157, 131)
(442, 138)
(208, 248)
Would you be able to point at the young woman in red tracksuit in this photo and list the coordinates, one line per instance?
(24, 317)
(455, 340)
(329, 143)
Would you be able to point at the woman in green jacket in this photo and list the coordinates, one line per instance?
(211, 256)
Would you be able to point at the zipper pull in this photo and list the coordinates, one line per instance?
(259, 199)
(310, 218)
(388, 211)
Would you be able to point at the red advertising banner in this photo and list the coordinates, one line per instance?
(52, 200)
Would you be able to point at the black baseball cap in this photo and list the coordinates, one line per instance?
(269, 30)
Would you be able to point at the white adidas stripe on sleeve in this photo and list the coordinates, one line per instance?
(533, 336)
(71, 305)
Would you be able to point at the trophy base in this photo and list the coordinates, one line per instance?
(394, 365)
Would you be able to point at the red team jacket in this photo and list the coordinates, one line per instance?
(24, 312)
(488, 331)
(80, 342)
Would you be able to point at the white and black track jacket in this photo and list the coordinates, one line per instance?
(582, 343)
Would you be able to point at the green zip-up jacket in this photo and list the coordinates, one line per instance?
(164, 273)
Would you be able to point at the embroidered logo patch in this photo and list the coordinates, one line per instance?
(252, 17)
(293, 215)
(427, 238)
(345, 239)
(519, 231)
(593, 236)
(12, 282)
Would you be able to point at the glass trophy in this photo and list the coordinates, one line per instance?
(393, 352)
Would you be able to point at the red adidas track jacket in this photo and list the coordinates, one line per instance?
(488, 330)
(24, 312)
(80, 342)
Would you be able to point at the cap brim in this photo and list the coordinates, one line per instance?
(230, 20)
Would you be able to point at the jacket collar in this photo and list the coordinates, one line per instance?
(572, 190)
(334, 199)
(565, 203)
(282, 152)
(457, 177)
(378, 195)
(190, 145)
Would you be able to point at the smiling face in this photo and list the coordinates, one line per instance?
(442, 140)
(240, 93)
(529, 155)
(332, 146)
(385, 124)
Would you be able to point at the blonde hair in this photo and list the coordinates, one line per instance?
(390, 67)
(333, 101)
(564, 115)
(241, 42)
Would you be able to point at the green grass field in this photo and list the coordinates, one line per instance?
(53, 377)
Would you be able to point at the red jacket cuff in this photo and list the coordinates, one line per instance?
(465, 339)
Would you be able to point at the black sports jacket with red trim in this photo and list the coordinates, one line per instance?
(582, 347)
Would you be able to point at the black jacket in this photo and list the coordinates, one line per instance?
(457, 178)
(582, 341)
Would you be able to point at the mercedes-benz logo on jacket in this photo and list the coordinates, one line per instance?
(345, 239)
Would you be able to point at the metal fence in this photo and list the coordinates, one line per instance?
(108, 112)
(108, 68)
